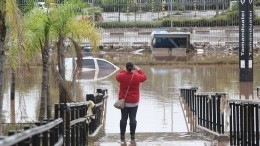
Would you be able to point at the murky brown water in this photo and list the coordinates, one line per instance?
(159, 109)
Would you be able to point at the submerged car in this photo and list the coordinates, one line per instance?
(92, 69)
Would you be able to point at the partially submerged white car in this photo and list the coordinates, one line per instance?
(92, 69)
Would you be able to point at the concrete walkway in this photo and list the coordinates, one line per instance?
(161, 139)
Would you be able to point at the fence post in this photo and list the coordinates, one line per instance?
(56, 131)
(45, 137)
(81, 128)
(67, 122)
(61, 127)
(218, 113)
(52, 136)
(231, 137)
(85, 126)
(257, 123)
(73, 127)
(36, 139)
(207, 112)
(77, 125)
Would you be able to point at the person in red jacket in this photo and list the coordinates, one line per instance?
(129, 80)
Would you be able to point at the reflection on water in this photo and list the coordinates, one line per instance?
(159, 109)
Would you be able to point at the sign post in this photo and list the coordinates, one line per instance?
(246, 40)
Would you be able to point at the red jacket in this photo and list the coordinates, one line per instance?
(124, 77)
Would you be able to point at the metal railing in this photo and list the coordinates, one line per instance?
(244, 123)
(188, 105)
(75, 122)
(45, 134)
(98, 116)
(189, 97)
(209, 113)
(70, 126)
(206, 110)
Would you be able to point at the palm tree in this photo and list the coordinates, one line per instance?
(59, 22)
(9, 16)
(37, 32)
(68, 25)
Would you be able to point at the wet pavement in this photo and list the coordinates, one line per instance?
(161, 139)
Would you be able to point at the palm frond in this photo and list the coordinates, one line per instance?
(14, 21)
(84, 30)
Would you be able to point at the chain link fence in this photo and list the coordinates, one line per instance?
(130, 22)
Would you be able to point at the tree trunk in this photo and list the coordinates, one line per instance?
(61, 66)
(2, 55)
(45, 78)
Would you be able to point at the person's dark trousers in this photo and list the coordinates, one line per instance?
(131, 113)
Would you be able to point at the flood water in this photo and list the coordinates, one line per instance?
(159, 110)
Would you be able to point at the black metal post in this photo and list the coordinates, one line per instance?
(85, 127)
(27, 141)
(204, 110)
(201, 111)
(257, 124)
(77, 126)
(237, 121)
(252, 123)
(81, 114)
(246, 40)
(218, 113)
(67, 125)
(214, 113)
(234, 120)
(52, 136)
(61, 127)
(207, 112)
(210, 114)
(45, 139)
(56, 129)
(73, 127)
(231, 119)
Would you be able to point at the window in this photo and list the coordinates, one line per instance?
(88, 63)
(104, 65)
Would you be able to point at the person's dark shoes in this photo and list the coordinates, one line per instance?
(132, 142)
(122, 138)
(132, 137)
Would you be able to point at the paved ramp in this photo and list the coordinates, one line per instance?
(160, 139)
